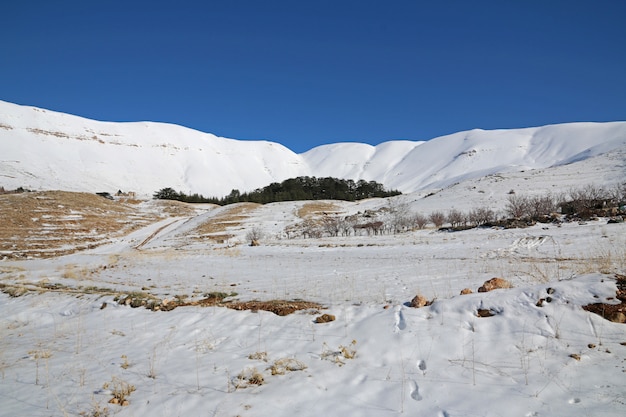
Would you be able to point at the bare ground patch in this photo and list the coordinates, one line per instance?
(179, 209)
(54, 223)
(278, 307)
(216, 228)
(612, 312)
(144, 299)
(316, 209)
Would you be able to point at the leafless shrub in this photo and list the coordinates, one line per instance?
(437, 218)
(480, 216)
(254, 235)
(311, 229)
(456, 218)
(587, 198)
(516, 206)
(332, 225)
(539, 206)
(399, 216)
(346, 225)
(370, 227)
(420, 220)
(617, 194)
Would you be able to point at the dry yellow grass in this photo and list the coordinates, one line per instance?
(178, 209)
(316, 209)
(216, 228)
(53, 223)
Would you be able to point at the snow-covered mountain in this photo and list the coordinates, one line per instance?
(42, 149)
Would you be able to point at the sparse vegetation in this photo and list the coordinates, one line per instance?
(284, 365)
(254, 235)
(278, 307)
(340, 355)
(54, 223)
(248, 377)
(96, 411)
(120, 390)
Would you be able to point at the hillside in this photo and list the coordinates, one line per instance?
(134, 307)
(44, 150)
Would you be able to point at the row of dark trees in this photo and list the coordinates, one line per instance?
(293, 189)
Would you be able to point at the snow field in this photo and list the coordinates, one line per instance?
(59, 352)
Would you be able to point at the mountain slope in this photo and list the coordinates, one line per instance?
(42, 149)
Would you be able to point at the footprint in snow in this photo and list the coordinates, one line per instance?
(421, 365)
(415, 391)
(400, 323)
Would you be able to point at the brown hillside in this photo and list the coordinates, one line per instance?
(52, 223)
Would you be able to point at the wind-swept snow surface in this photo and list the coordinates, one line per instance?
(41, 149)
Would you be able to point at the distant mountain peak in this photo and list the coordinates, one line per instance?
(42, 150)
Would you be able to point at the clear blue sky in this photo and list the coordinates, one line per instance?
(309, 72)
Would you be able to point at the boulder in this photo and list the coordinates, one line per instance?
(419, 301)
(495, 284)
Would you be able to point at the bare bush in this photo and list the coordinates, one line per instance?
(399, 216)
(420, 220)
(617, 194)
(532, 207)
(254, 235)
(311, 230)
(588, 197)
(375, 228)
(456, 218)
(332, 225)
(517, 206)
(480, 216)
(347, 225)
(437, 218)
(539, 206)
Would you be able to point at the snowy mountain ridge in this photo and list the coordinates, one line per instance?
(42, 149)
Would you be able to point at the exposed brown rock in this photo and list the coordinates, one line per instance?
(419, 301)
(495, 284)
(325, 318)
(612, 312)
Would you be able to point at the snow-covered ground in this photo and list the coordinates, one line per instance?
(64, 354)
(68, 344)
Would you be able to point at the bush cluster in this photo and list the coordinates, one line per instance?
(584, 203)
(520, 211)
